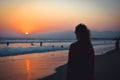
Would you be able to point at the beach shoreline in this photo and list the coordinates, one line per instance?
(106, 68)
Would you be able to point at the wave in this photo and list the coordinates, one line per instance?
(26, 48)
(8, 51)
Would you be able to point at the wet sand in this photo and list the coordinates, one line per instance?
(107, 67)
(31, 66)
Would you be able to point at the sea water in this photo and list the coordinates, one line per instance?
(17, 47)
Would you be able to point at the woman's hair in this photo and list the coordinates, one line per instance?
(82, 33)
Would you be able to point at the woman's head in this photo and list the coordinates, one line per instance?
(82, 33)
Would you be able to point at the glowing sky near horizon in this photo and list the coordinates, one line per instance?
(38, 16)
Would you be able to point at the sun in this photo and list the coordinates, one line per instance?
(26, 33)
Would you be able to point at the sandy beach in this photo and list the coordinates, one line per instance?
(107, 67)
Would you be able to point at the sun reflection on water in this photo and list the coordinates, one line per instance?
(28, 69)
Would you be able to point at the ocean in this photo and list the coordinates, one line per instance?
(27, 46)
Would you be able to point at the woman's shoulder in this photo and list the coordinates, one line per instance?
(74, 44)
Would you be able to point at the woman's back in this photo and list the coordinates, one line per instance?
(81, 59)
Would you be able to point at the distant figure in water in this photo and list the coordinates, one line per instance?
(117, 45)
(61, 46)
(81, 56)
(52, 45)
(32, 44)
(8, 43)
(40, 43)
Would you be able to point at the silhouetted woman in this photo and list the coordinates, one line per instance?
(117, 44)
(81, 56)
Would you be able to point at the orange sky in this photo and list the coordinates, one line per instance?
(37, 16)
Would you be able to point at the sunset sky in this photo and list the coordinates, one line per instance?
(42, 16)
